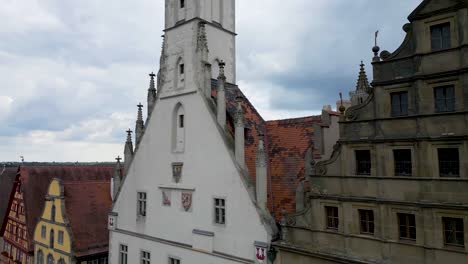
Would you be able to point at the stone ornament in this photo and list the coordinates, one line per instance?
(186, 201)
(177, 171)
(166, 197)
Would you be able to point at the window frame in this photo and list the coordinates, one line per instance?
(123, 254)
(43, 231)
(462, 232)
(182, 3)
(369, 221)
(396, 162)
(449, 104)
(222, 211)
(173, 260)
(407, 225)
(332, 221)
(142, 203)
(145, 257)
(440, 162)
(445, 43)
(359, 164)
(403, 107)
(60, 237)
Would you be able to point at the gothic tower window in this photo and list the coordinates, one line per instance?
(182, 3)
(180, 74)
(50, 259)
(51, 238)
(178, 132)
(40, 257)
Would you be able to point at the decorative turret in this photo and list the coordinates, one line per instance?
(128, 151)
(362, 88)
(239, 133)
(221, 97)
(261, 173)
(117, 179)
(151, 94)
(140, 126)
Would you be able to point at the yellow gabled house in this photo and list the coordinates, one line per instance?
(73, 225)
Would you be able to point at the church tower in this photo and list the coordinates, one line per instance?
(198, 35)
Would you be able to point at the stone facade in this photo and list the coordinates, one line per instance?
(394, 189)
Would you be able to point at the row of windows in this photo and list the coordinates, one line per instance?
(219, 207)
(52, 236)
(444, 101)
(145, 256)
(449, 162)
(18, 256)
(452, 228)
(17, 232)
(50, 258)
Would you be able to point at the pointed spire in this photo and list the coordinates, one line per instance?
(140, 126)
(117, 177)
(151, 94)
(128, 151)
(202, 41)
(240, 133)
(221, 97)
(363, 82)
(261, 173)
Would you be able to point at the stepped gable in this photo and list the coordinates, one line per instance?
(87, 205)
(35, 181)
(7, 179)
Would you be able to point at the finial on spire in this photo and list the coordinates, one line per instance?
(118, 159)
(376, 48)
(342, 107)
(140, 106)
(129, 135)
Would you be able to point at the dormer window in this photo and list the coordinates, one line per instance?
(182, 3)
(440, 36)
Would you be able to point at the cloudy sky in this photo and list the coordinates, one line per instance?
(72, 72)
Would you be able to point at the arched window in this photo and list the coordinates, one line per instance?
(50, 259)
(51, 239)
(40, 257)
(61, 261)
(178, 131)
(52, 213)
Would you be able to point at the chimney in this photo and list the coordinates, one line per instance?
(239, 133)
(261, 173)
(140, 126)
(221, 101)
(117, 178)
(128, 151)
(151, 94)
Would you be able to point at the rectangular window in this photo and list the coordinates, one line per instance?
(43, 231)
(60, 237)
(363, 162)
(407, 224)
(220, 211)
(440, 36)
(449, 162)
(453, 231)
(174, 261)
(182, 3)
(444, 99)
(366, 219)
(181, 121)
(332, 217)
(145, 257)
(402, 159)
(181, 69)
(142, 203)
(399, 103)
(123, 254)
(93, 261)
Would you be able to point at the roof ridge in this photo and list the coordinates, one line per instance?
(293, 118)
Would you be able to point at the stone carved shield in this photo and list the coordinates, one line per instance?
(177, 171)
(187, 200)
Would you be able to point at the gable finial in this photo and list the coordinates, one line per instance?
(376, 48)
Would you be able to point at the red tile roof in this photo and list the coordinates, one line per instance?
(7, 178)
(287, 142)
(35, 181)
(87, 204)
